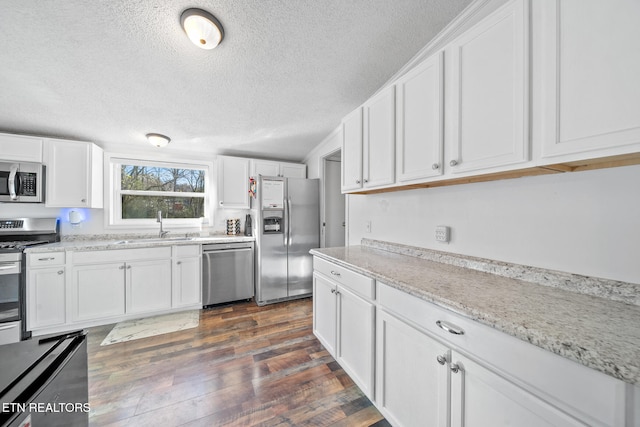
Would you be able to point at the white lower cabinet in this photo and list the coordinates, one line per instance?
(344, 322)
(481, 397)
(148, 286)
(46, 297)
(98, 291)
(187, 281)
(411, 387)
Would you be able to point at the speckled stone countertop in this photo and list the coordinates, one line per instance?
(597, 332)
(110, 242)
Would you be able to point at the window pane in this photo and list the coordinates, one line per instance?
(149, 178)
(143, 207)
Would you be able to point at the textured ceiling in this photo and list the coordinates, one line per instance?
(110, 71)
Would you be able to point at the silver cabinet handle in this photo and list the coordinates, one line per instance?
(442, 359)
(357, 181)
(435, 166)
(449, 327)
(46, 259)
(453, 163)
(121, 267)
(337, 292)
(60, 272)
(333, 291)
(335, 273)
(455, 368)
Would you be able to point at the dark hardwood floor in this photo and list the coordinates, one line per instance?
(243, 365)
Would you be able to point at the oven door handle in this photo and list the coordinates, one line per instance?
(11, 266)
(4, 328)
(13, 171)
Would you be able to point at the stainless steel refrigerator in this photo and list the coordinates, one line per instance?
(286, 215)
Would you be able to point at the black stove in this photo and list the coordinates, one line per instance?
(16, 235)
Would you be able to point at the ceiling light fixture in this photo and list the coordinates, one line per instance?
(202, 28)
(158, 140)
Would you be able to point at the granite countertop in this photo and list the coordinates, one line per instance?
(131, 242)
(597, 332)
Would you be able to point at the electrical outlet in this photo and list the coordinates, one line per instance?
(443, 233)
(367, 226)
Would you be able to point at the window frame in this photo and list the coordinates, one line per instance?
(114, 218)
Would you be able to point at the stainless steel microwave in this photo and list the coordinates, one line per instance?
(22, 182)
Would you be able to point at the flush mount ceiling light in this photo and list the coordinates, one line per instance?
(158, 140)
(202, 28)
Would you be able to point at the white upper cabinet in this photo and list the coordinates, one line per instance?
(589, 69)
(379, 139)
(273, 168)
(233, 182)
(20, 148)
(352, 151)
(74, 174)
(488, 85)
(419, 121)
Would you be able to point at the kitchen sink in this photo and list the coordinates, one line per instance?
(163, 239)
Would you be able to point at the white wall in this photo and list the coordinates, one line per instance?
(584, 222)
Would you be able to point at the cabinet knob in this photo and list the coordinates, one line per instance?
(455, 368)
(366, 180)
(435, 166)
(357, 181)
(442, 359)
(178, 262)
(60, 272)
(84, 200)
(333, 291)
(128, 267)
(453, 163)
(121, 267)
(221, 203)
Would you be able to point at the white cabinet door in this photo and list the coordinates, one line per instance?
(412, 388)
(74, 174)
(98, 291)
(420, 121)
(20, 148)
(148, 286)
(187, 286)
(352, 151)
(488, 86)
(233, 182)
(355, 339)
(293, 170)
(265, 168)
(46, 297)
(589, 68)
(324, 312)
(480, 397)
(380, 139)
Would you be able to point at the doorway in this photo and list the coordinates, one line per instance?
(333, 215)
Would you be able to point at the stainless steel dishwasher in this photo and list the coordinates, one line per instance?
(227, 272)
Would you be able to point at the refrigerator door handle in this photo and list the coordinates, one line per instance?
(289, 221)
(285, 226)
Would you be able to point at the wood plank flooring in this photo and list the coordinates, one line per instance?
(243, 365)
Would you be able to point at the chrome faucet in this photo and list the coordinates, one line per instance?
(159, 219)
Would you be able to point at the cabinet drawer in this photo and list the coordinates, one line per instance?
(45, 259)
(121, 255)
(583, 391)
(182, 251)
(358, 283)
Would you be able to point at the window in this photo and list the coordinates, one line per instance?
(142, 188)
